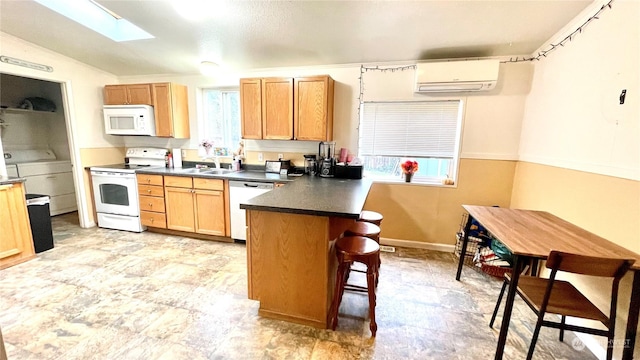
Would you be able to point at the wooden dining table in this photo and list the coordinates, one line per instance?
(531, 235)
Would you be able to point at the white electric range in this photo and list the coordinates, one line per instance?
(115, 189)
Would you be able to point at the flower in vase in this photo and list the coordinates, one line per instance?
(206, 144)
(409, 166)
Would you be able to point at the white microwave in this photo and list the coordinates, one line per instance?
(129, 120)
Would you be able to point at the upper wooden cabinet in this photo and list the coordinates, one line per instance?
(251, 108)
(169, 101)
(137, 94)
(287, 108)
(313, 108)
(171, 110)
(277, 108)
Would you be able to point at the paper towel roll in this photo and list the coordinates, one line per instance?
(177, 157)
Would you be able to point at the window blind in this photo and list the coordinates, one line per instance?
(409, 128)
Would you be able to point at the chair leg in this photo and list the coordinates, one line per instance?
(562, 321)
(371, 278)
(534, 338)
(495, 311)
(337, 295)
(610, 345)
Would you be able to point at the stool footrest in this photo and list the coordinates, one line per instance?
(349, 287)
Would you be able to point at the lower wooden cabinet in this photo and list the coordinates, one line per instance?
(16, 243)
(195, 205)
(151, 195)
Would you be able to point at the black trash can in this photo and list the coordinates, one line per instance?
(40, 219)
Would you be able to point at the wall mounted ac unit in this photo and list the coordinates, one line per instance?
(455, 76)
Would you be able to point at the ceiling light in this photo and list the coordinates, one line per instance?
(209, 68)
(97, 18)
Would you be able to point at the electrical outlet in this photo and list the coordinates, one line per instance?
(260, 157)
(280, 156)
(183, 153)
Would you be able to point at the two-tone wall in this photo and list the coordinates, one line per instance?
(580, 148)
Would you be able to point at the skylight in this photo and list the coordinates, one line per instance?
(97, 18)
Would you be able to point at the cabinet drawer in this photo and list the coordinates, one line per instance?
(178, 181)
(150, 203)
(150, 190)
(152, 219)
(208, 184)
(149, 179)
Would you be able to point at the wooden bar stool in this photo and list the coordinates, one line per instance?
(356, 249)
(366, 229)
(371, 217)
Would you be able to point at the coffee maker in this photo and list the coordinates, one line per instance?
(327, 161)
(310, 164)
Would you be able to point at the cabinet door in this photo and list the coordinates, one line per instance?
(139, 94)
(313, 108)
(162, 109)
(277, 108)
(16, 244)
(115, 95)
(179, 209)
(209, 208)
(251, 108)
(171, 110)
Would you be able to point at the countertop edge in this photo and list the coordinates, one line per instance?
(300, 211)
(6, 180)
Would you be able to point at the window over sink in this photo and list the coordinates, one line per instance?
(428, 132)
(221, 118)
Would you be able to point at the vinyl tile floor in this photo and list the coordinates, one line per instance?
(107, 294)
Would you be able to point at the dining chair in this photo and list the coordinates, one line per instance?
(562, 298)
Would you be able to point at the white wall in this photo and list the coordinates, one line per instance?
(573, 118)
(83, 94)
(85, 87)
(492, 119)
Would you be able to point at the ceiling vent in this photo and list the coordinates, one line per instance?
(456, 76)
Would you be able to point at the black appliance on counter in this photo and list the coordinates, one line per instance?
(348, 171)
(326, 156)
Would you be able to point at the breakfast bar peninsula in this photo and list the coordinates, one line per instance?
(291, 233)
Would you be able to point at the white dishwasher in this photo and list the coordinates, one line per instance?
(240, 191)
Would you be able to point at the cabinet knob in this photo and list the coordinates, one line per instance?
(149, 191)
(150, 204)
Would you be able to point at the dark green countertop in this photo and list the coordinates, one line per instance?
(5, 180)
(315, 196)
(301, 195)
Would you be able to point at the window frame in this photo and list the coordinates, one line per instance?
(422, 180)
(202, 116)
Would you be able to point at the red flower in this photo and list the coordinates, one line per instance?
(409, 167)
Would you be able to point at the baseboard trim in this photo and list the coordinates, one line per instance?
(417, 244)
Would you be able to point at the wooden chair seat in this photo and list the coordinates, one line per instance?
(371, 217)
(565, 299)
(360, 249)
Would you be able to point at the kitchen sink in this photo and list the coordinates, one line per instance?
(195, 171)
(219, 171)
(206, 171)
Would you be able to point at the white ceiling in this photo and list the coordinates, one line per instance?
(243, 35)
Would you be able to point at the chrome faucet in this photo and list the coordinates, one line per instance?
(217, 161)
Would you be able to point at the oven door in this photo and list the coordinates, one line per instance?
(115, 193)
